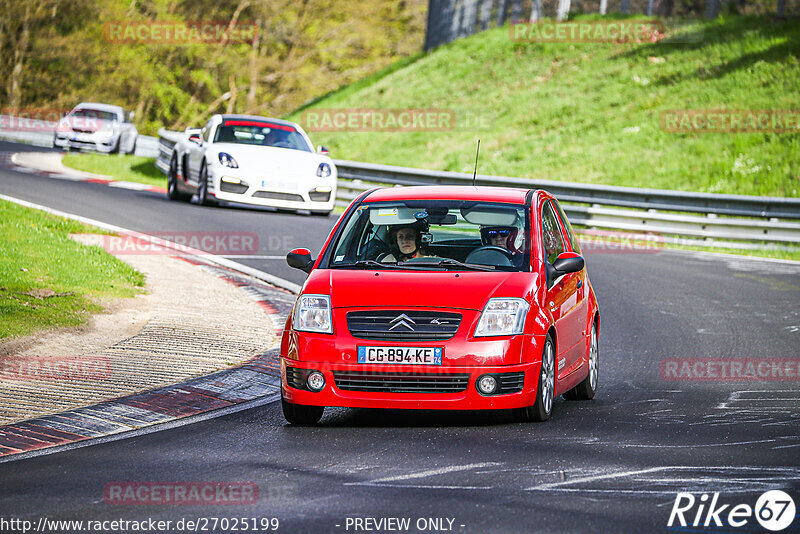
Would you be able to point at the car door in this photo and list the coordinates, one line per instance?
(561, 295)
(581, 312)
(197, 151)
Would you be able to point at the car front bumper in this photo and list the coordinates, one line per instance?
(90, 142)
(335, 394)
(289, 193)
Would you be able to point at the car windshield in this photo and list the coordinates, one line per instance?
(88, 113)
(435, 235)
(258, 133)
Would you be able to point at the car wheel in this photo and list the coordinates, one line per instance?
(321, 213)
(203, 198)
(115, 150)
(298, 414)
(586, 389)
(133, 148)
(545, 390)
(172, 180)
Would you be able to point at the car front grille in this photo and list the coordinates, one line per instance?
(401, 382)
(274, 195)
(392, 325)
(227, 187)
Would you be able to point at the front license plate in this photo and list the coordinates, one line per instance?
(401, 355)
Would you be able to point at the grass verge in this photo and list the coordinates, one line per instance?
(48, 280)
(591, 112)
(137, 169)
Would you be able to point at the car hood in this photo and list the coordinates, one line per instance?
(277, 160)
(86, 124)
(407, 289)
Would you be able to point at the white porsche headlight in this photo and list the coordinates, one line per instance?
(502, 317)
(324, 170)
(227, 160)
(312, 313)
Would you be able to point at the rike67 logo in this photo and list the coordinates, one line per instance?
(774, 511)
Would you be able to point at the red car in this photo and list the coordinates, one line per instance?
(442, 298)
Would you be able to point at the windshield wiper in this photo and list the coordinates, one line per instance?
(376, 265)
(456, 263)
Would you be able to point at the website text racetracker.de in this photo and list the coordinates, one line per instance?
(194, 524)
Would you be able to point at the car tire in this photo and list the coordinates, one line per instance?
(321, 213)
(133, 148)
(545, 389)
(299, 414)
(203, 197)
(172, 181)
(115, 150)
(588, 387)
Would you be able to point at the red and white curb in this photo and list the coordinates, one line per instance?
(254, 382)
(10, 160)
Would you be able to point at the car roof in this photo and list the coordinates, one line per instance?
(100, 107)
(450, 192)
(258, 118)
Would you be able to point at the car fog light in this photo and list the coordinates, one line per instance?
(315, 381)
(487, 384)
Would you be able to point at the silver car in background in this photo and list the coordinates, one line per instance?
(100, 127)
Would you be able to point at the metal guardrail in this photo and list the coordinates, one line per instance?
(704, 218)
(38, 133)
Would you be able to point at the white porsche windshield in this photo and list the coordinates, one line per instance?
(246, 132)
(435, 235)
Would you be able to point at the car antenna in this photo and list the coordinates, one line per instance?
(475, 172)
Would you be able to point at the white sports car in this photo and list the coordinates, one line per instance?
(252, 160)
(100, 127)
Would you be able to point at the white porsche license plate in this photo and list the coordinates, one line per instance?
(401, 355)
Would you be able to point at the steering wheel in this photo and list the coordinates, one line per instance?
(487, 255)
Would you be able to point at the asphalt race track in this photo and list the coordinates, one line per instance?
(614, 464)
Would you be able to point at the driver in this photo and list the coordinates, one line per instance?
(406, 243)
(500, 236)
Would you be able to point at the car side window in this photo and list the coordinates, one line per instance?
(551, 234)
(573, 239)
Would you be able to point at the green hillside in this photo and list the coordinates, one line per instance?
(591, 112)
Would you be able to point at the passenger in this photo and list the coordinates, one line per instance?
(406, 243)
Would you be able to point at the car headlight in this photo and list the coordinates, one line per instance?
(227, 160)
(324, 170)
(502, 317)
(312, 313)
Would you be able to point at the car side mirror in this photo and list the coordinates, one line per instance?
(568, 262)
(193, 134)
(131, 114)
(300, 258)
(322, 150)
